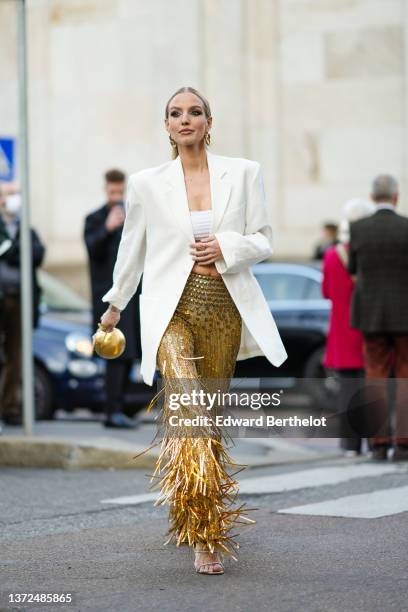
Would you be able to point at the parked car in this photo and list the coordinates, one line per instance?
(293, 292)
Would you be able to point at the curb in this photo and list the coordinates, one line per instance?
(60, 453)
(63, 454)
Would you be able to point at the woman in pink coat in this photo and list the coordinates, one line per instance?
(344, 345)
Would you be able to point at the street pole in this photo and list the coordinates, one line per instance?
(25, 225)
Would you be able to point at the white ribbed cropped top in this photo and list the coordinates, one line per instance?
(201, 222)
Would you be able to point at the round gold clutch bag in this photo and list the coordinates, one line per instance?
(108, 345)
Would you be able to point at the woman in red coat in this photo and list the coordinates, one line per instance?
(344, 345)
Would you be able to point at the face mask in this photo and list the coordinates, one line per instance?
(13, 203)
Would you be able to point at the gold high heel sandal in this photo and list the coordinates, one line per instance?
(199, 566)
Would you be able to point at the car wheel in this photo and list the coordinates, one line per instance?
(320, 387)
(44, 394)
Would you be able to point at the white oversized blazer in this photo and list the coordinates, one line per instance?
(155, 241)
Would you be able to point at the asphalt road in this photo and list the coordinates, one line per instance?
(58, 534)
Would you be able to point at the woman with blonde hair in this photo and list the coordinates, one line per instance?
(344, 344)
(194, 226)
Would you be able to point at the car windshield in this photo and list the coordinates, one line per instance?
(288, 286)
(283, 286)
(58, 296)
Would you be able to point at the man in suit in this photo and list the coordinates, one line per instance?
(102, 233)
(379, 259)
(10, 300)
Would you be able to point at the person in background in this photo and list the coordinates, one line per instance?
(328, 239)
(344, 345)
(10, 297)
(102, 233)
(378, 256)
(5, 242)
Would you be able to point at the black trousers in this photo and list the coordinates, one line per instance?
(116, 379)
(350, 408)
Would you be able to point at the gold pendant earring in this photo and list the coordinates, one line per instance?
(207, 138)
(172, 142)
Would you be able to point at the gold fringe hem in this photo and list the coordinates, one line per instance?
(191, 474)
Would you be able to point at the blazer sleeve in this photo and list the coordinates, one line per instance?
(38, 249)
(240, 251)
(131, 253)
(352, 260)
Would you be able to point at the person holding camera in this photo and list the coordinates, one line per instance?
(102, 232)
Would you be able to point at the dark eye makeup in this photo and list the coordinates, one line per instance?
(194, 112)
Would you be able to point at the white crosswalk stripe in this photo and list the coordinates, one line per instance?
(314, 477)
(365, 505)
(131, 499)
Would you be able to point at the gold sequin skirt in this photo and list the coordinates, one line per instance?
(198, 351)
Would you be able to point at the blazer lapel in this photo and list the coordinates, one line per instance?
(176, 193)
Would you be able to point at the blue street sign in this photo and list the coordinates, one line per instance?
(7, 159)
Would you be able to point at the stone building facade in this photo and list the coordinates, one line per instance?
(316, 90)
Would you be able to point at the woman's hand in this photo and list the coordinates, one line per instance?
(206, 250)
(110, 318)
